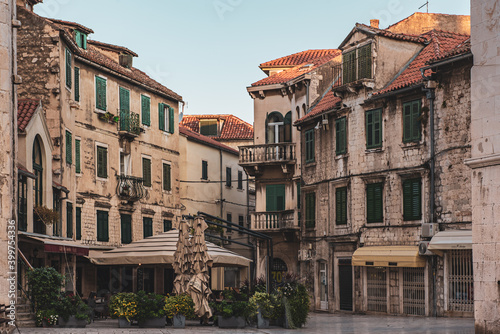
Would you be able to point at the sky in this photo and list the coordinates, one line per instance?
(208, 51)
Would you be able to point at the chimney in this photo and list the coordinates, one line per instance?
(374, 23)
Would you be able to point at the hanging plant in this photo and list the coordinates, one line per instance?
(46, 215)
(109, 117)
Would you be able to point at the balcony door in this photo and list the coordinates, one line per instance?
(275, 197)
(278, 130)
(124, 109)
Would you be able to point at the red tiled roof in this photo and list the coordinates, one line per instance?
(460, 49)
(233, 127)
(113, 47)
(206, 140)
(390, 34)
(78, 26)
(294, 72)
(25, 110)
(328, 102)
(441, 42)
(298, 58)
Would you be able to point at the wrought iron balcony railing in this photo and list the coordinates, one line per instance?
(130, 188)
(353, 69)
(129, 123)
(274, 220)
(280, 153)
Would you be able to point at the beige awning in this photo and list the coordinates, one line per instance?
(159, 249)
(53, 244)
(388, 256)
(451, 239)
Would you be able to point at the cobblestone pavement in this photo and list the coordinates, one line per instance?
(317, 323)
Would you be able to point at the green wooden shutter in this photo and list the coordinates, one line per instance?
(407, 122)
(102, 226)
(126, 229)
(77, 156)
(78, 38)
(377, 197)
(417, 199)
(340, 138)
(309, 145)
(310, 210)
(167, 185)
(412, 202)
(365, 62)
(349, 66)
(100, 87)
(171, 123)
(228, 176)
(69, 148)
(145, 110)
(271, 197)
(374, 203)
(161, 116)
(84, 41)
(69, 220)
(280, 197)
(416, 133)
(377, 127)
(266, 129)
(407, 200)
(102, 162)
(147, 227)
(341, 206)
(146, 172)
(77, 84)
(78, 222)
(68, 68)
(124, 100)
(204, 170)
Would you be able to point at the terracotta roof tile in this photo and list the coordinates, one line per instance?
(294, 72)
(460, 49)
(233, 128)
(113, 47)
(441, 43)
(298, 58)
(206, 140)
(389, 34)
(25, 110)
(78, 26)
(328, 102)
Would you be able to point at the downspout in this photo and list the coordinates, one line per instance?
(307, 94)
(221, 188)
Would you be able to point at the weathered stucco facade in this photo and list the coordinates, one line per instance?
(485, 162)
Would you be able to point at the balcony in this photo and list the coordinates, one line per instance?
(275, 221)
(130, 188)
(255, 155)
(129, 125)
(353, 71)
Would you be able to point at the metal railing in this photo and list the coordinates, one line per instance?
(274, 220)
(130, 188)
(280, 152)
(129, 122)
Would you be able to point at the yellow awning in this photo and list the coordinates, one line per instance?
(388, 256)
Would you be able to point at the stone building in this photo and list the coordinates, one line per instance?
(382, 172)
(279, 100)
(485, 162)
(115, 143)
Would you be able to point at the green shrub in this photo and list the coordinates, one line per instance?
(72, 305)
(180, 304)
(149, 305)
(44, 287)
(123, 305)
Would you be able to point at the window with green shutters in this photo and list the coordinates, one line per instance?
(78, 223)
(69, 220)
(240, 179)
(357, 64)
(69, 147)
(374, 202)
(166, 117)
(208, 127)
(77, 84)
(365, 62)
(102, 162)
(309, 134)
(147, 226)
(126, 228)
(68, 68)
(204, 170)
(340, 136)
(229, 218)
(411, 121)
(145, 110)
(77, 156)
(275, 197)
(310, 210)
(228, 177)
(241, 222)
(81, 39)
(349, 67)
(167, 177)
(374, 128)
(341, 206)
(412, 199)
(102, 226)
(167, 225)
(100, 93)
(146, 172)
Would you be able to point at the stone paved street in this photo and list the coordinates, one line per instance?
(318, 323)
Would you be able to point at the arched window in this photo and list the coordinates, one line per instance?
(288, 126)
(274, 128)
(279, 269)
(38, 226)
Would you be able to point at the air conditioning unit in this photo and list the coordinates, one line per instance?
(423, 248)
(428, 230)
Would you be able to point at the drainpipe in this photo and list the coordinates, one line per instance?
(221, 187)
(307, 95)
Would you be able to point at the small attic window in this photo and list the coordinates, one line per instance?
(126, 60)
(208, 127)
(81, 39)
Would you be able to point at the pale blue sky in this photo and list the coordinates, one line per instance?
(209, 51)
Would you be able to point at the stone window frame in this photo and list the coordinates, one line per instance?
(96, 225)
(378, 178)
(423, 174)
(150, 158)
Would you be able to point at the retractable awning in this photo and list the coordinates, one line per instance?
(159, 249)
(388, 256)
(57, 245)
(451, 239)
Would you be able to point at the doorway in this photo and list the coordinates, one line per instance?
(345, 284)
(323, 286)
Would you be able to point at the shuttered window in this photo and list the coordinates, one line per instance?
(69, 148)
(78, 223)
(241, 222)
(145, 110)
(167, 183)
(349, 67)
(240, 179)
(411, 121)
(100, 93)
(340, 136)
(171, 120)
(365, 62)
(146, 172)
(68, 68)
(309, 145)
(412, 199)
(374, 202)
(102, 162)
(69, 220)
(310, 210)
(228, 177)
(81, 39)
(204, 170)
(102, 226)
(77, 84)
(147, 226)
(374, 128)
(77, 156)
(275, 197)
(126, 228)
(166, 117)
(341, 206)
(208, 127)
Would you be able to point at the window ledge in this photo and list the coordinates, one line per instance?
(374, 150)
(240, 189)
(342, 156)
(341, 226)
(410, 145)
(102, 179)
(99, 111)
(205, 180)
(310, 164)
(375, 224)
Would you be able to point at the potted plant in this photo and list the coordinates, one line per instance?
(179, 308)
(45, 287)
(295, 303)
(73, 312)
(263, 305)
(123, 306)
(46, 215)
(46, 318)
(150, 310)
(233, 310)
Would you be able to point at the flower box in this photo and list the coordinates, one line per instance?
(179, 321)
(261, 321)
(232, 322)
(124, 323)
